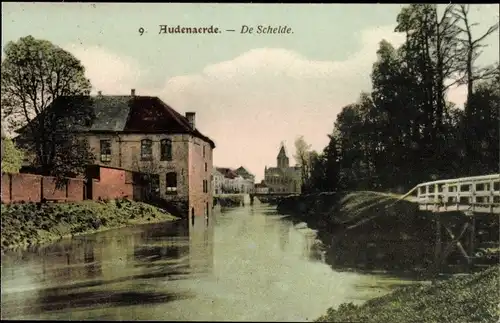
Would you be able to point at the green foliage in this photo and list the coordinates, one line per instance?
(12, 158)
(35, 73)
(471, 298)
(405, 132)
(30, 223)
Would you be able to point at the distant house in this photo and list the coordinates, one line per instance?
(217, 181)
(261, 188)
(144, 134)
(283, 178)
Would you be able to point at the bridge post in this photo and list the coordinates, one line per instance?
(437, 244)
(472, 239)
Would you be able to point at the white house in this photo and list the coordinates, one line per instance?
(217, 181)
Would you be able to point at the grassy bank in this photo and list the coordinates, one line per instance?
(472, 298)
(30, 223)
(372, 230)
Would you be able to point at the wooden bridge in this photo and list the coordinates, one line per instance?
(478, 194)
(457, 203)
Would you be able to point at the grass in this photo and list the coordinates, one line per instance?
(31, 223)
(464, 299)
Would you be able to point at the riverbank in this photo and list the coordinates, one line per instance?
(377, 231)
(471, 298)
(229, 200)
(29, 224)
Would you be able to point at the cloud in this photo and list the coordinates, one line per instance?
(108, 72)
(251, 103)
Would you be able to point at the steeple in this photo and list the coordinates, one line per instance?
(282, 158)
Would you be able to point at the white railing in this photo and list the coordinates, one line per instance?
(478, 193)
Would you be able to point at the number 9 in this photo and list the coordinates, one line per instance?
(141, 31)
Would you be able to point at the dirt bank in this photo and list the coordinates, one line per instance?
(34, 223)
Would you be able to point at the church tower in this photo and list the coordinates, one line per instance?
(282, 158)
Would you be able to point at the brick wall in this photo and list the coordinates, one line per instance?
(33, 188)
(111, 184)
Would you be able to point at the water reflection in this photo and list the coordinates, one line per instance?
(248, 264)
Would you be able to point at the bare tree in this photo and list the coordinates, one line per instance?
(471, 50)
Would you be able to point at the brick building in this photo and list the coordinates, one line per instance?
(143, 134)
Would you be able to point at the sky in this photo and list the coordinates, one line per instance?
(250, 92)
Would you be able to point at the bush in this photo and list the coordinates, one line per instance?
(12, 158)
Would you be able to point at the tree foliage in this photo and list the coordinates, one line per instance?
(35, 73)
(405, 131)
(303, 157)
(12, 158)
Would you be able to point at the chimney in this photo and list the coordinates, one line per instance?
(190, 117)
(132, 92)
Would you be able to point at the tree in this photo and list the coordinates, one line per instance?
(303, 157)
(12, 158)
(470, 51)
(35, 74)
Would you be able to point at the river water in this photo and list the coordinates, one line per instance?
(250, 265)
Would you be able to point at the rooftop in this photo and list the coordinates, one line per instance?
(125, 114)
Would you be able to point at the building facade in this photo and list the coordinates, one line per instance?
(234, 180)
(217, 181)
(283, 178)
(261, 188)
(143, 134)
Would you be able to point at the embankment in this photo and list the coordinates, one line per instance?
(372, 230)
(34, 223)
(471, 298)
(229, 200)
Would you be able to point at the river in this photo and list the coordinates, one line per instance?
(251, 265)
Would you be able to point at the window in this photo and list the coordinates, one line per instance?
(171, 183)
(203, 151)
(146, 149)
(166, 149)
(206, 167)
(192, 216)
(208, 213)
(205, 186)
(106, 150)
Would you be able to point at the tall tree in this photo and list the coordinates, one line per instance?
(471, 50)
(303, 157)
(35, 73)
